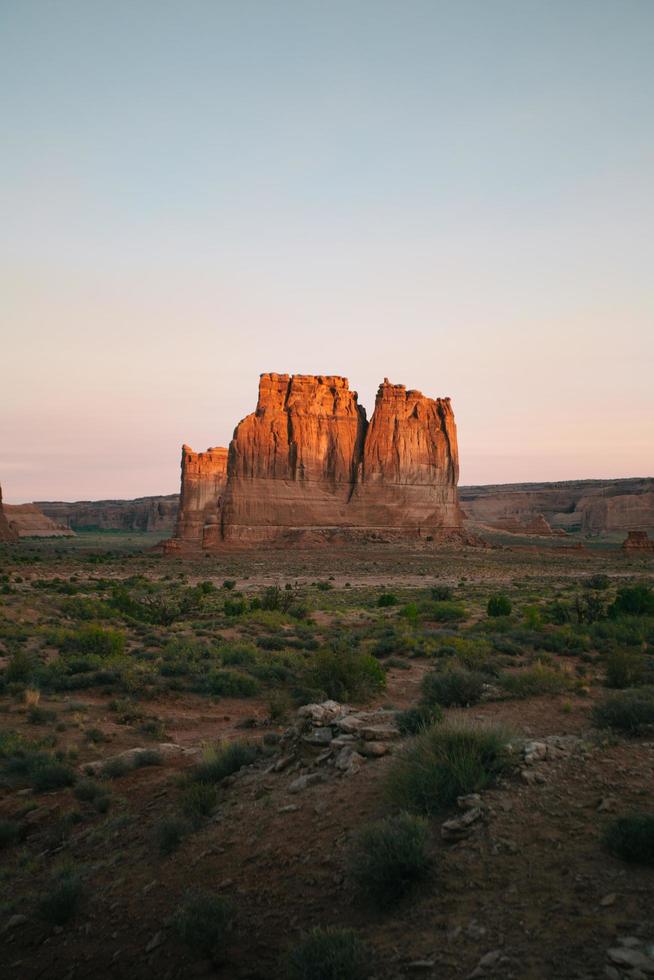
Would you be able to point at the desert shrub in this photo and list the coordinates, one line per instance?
(414, 720)
(558, 612)
(61, 898)
(9, 833)
(625, 668)
(238, 655)
(47, 773)
(36, 715)
(600, 582)
(343, 673)
(147, 757)
(633, 600)
(324, 586)
(278, 642)
(632, 838)
(443, 612)
(498, 605)
(329, 954)
(389, 857)
(87, 790)
(229, 584)
(169, 833)
(20, 668)
(630, 711)
(231, 684)
(446, 761)
(203, 921)
(86, 607)
(452, 687)
(589, 608)
(532, 681)
(93, 639)
(199, 800)
(116, 767)
(386, 599)
(441, 593)
(147, 602)
(234, 607)
(223, 760)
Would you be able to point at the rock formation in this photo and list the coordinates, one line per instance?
(6, 532)
(638, 541)
(29, 522)
(140, 514)
(588, 506)
(307, 466)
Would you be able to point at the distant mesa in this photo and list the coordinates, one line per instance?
(308, 467)
(637, 541)
(27, 521)
(7, 533)
(140, 514)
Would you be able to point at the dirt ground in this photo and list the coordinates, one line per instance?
(532, 882)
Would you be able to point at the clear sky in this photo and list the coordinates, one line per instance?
(458, 194)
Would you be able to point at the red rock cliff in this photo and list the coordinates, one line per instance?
(306, 465)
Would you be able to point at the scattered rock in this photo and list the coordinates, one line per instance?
(14, 921)
(302, 782)
(458, 827)
(156, 940)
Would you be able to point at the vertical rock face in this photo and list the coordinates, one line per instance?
(6, 533)
(410, 466)
(307, 466)
(292, 462)
(204, 476)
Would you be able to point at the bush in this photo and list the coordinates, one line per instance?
(452, 687)
(199, 800)
(533, 681)
(630, 711)
(203, 921)
(87, 790)
(386, 599)
(329, 954)
(444, 762)
(9, 833)
(169, 833)
(600, 582)
(62, 898)
(19, 669)
(93, 639)
(223, 760)
(499, 605)
(234, 607)
(229, 584)
(231, 684)
(632, 838)
(389, 857)
(443, 612)
(441, 593)
(414, 720)
(625, 668)
(36, 715)
(48, 773)
(633, 600)
(347, 674)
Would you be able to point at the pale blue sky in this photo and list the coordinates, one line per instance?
(458, 195)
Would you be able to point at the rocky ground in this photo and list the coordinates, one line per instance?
(520, 887)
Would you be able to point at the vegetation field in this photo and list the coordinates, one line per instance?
(471, 794)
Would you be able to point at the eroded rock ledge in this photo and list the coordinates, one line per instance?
(308, 467)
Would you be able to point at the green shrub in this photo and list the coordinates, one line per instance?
(499, 605)
(19, 669)
(199, 800)
(36, 715)
(234, 607)
(446, 761)
(443, 612)
(223, 760)
(231, 684)
(441, 593)
(329, 954)
(414, 720)
(452, 687)
(61, 899)
(147, 602)
(93, 639)
(229, 584)
(344, 674)
(203, 921)
(169, 833)
(9, 833)
(49, 773)
(633, 600)
(600, 582)
(533, 681)
(389, 858)
(629, 711)
(386, 599)
(87, 789)
(632, 838)
(625, 668)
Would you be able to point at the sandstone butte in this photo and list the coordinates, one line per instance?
(638, 541)
(6, 532)
(308, 467)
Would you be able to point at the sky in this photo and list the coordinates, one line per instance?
(456, 194)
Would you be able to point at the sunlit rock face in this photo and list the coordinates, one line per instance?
(306, 466)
